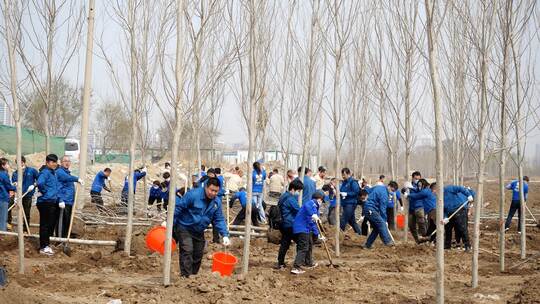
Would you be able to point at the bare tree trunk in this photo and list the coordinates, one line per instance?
(85, 120)
(12, 31)
(179, 71)
(134, 118)
(502, 153)
(51, 28)
(434, 73)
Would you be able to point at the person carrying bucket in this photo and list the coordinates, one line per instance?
(193, 214)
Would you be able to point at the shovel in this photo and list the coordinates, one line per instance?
(65, 247)
(60, 223)
(321, 230)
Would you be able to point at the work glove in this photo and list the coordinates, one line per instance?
(81, 182)
(469, 188)
(144, 170)
(109, 178)
(315, 218)
(322, 238)
(15, 184)
(401, 209)
(62, 205)
(226, 192)
(164, 224)
(470, 198)
(30, 188)
(226, 241)
(408, 185)
(445, 220)
(406, 195)
(343, 194)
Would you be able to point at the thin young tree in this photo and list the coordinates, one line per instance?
(432, 26)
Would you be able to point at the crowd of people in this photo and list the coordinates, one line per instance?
(302, 205)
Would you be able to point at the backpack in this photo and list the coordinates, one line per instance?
(274, 217)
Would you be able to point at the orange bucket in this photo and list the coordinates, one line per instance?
(400, 221)
(155, 240)
(223, 263)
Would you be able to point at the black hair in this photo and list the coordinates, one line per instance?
(236, 168)
(211, 171)
(23, 159)
(345, 171)
(181, 191)
(416, 173)
(166, 175)
(156, 183)
(433, 185)
(526, 178)
(107, 170)
(167, 164)
(242, 189)
(257, 167)
(203, 167)
(424, 183)
(321, 169)
(393, 184)
(317, 195)
(51, 158)
(275, 170)
(382, 176)
(217, 170)
(3, 162)
(363, 192)
(306, 170)
(296, 184)
(326, 188)
(212, 181)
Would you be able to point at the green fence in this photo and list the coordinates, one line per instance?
(32, 141)
(112, 158)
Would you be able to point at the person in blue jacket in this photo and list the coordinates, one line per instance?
(155, 195)
(29, 178)
(138, 174)
(193, 214)
(48, 203)
(516, 205)
(375, 212)
(288, 208)
(66, 192)
(349, 191)
(390, 207)
(417, 217)
(309, 184)
(7, 190)
(330, 196)
(304, 228)
(97, 186)
(258, 178)
(454, 198)
(241, 195)
(165, 188)
(221, 179)
(430, 210)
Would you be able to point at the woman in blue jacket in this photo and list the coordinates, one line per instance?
(6, 191)
(258, 177)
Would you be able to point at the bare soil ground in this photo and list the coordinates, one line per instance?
(403, 274)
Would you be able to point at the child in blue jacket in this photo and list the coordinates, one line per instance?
(304, 227)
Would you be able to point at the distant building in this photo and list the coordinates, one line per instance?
(5, 115)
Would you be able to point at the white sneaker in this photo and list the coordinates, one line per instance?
(297, 271)
(47, 251)
(312, 266)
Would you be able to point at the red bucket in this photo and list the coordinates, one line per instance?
(400, 221)
(223, 263)
(155, 240)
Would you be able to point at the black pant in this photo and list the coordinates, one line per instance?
(432, 225)
(287, 237)
(191, 250)
(48, 217)
(459, 223)
(66, 218)
(304, 247)
(242, 216)
(514, 206)
(27, 207)
(155, 199)
(165, 203)
(97, 200)
(390, 217)
(332, 216)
